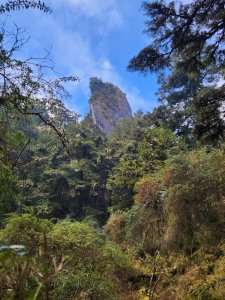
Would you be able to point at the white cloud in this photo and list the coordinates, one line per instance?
(107, 65)
(136, 101)
(80, 59)
(77, 52)
(106, 11)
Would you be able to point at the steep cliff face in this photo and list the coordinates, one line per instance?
(108, 105)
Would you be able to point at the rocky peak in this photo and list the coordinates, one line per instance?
(108, 105)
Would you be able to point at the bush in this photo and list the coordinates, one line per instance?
(70, 260)
(115, 227)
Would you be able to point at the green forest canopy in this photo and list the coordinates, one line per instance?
(135, 215)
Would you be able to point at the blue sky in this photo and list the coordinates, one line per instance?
(92, 38)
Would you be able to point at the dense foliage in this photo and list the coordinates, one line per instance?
(138, 214)
(188, 40)
(67, 259)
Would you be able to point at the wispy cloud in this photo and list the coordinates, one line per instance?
(75, 52)
(82, 34)
(107, 12)
(79, 59)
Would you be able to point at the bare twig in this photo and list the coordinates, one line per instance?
(21, 152)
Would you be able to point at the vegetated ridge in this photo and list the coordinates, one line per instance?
(108, 105)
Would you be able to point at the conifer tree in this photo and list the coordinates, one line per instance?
(188, 39)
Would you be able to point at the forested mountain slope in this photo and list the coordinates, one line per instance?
(135, 209)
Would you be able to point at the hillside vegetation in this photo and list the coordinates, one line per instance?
(137, 214)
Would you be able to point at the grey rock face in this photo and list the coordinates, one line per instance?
(108, 105)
